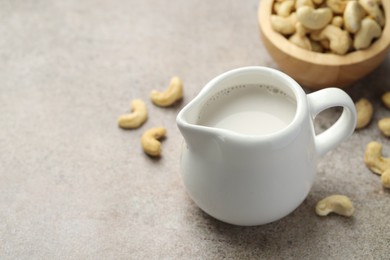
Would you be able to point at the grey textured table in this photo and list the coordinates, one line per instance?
(75, 186)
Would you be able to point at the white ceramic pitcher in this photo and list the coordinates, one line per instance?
(250, 179)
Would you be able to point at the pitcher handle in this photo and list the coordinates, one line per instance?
(343, 127)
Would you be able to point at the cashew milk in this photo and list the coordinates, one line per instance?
(249, 109)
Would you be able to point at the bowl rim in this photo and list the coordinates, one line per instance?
(327, 59)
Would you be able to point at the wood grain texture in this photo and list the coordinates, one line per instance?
(319, 70)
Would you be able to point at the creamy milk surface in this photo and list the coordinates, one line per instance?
(249, 109)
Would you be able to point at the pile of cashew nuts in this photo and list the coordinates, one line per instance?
(329, 26)
(373, 155)
(139, 114)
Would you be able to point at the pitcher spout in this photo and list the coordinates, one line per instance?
(205, 140)
(201, 134)
(196, 137)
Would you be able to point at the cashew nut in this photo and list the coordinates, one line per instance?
(337, 6)
(150, 143)
(285, 8)
(299, 37)
(364, 110)
(368, 31)
(358, 23)
(386, 99)
(373, 10)
(138, 116)
(339, 39)
(338, 204)
(384, 126)
(300, 41)
(284, 25)
(338, 21)
(299, 3)
(173, 93)
(353, 16)
(374, 160)
(314, 19)
(385, 178)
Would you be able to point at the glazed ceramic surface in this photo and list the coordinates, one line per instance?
(256, 179)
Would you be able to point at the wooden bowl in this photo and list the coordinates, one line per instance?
(319, 70)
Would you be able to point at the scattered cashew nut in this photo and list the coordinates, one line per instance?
(384, 126)
(385, 178)
(374, 160)
(338, 204)
(150, 143)
(173, 93)
(135, 119)
(386, 99)
(369, 30)
(314, 19)
(364, 110)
